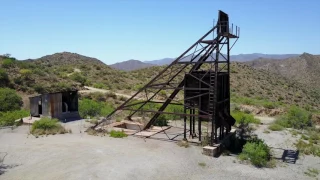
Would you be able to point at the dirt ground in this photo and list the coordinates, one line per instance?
(81, 156)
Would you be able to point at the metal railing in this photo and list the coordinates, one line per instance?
(224, 27)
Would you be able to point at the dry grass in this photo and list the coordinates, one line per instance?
(183, 144)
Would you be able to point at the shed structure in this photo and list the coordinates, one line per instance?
(60, 105)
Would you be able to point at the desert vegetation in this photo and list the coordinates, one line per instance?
(244, 118)
(47, 126)
(257, 152)
(10, 109)
(117, 134)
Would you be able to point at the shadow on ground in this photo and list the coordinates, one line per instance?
(288, 156)
(4, 167)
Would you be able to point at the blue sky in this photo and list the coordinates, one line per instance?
(118, 30)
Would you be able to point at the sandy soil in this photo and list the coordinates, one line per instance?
(81, 156)
(92, 89)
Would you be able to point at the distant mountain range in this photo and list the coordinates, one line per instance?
(136, 64)
(130, 65)
(238, 58)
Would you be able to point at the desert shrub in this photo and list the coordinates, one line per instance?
(163, 93)
(244, 118)
(308, 148)
(8, 62)
(202, 164)
(25, 72)
(100, 86)
(275, 127)
(269, 105)
(111, 95)
(9, 100)
(39, 72)
(312, 172)
(98, 96)
(59, 86)
(161, 121)
(39, 88)
(78, 77)
(25, 65)
(117, 134)
(88, 107)
(122, 98)
(8, 118)
(295, 118)
(18, 80)
(257, 152)
(174, 109)
(4, 78)
(183, 143)
(47, 126)
(106, 109)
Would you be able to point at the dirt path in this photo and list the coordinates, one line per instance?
(265, 119)
(92, 89)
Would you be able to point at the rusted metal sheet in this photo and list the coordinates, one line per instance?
(45, 105)
(56, 105)
(34, 105)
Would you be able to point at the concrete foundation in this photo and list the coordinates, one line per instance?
(217, 149)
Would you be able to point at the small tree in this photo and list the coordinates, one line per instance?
(88, 107)
(26, 73)
(9, 100)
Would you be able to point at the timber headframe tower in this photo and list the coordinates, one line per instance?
(202, 76)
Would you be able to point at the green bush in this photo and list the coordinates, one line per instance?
(39, 88)
(79, 78)
(4, 78)
(8, 118)
(88, 107)
(47, 126)
(269, 105)
(9, 100)
(275, 127)
(117, 134)
(295, 118)
(8, 62)
(244, 118)
(26, 73)
(257, 152)
(59, 86)
(161, 121)
(100, 86)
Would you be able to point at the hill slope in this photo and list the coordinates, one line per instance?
(248, 83)
(130, 65)
(304, 68)
(62, 71)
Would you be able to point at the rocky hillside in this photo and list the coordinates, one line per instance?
(130, 65)
(61, 71)
(304, 68)
(253, 86)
